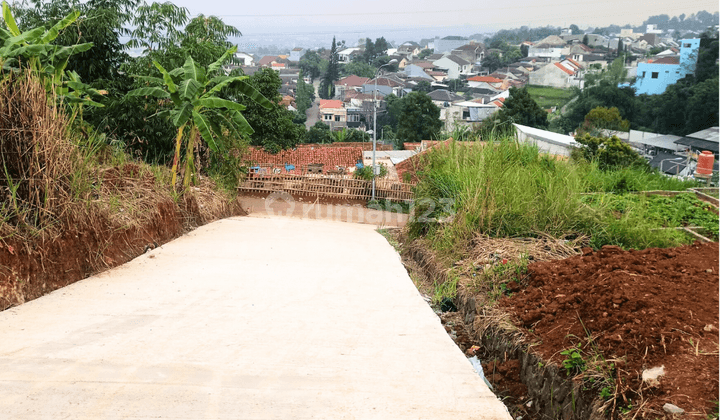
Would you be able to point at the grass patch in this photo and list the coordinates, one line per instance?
(548, 97)
(506, 189)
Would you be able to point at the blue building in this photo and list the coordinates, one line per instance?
(655, 75)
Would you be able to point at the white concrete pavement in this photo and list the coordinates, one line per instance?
(245, 318)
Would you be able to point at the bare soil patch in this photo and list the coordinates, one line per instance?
(639, 309)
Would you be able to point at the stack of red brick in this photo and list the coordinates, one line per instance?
(331, 158)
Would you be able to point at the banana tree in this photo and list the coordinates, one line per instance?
(34, 49)
(197, 109)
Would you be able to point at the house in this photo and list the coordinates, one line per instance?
(472, 52)
(296, 54)
(435, 57)
(562, 74)
(443, 97)
(485, 82)
(333, 113)
(347, 55)
(415, 71)
(656, 74)
(466, 113)
(277, 66)
(409, 49)
(650, 39)
(387, 85)
(402, 61)
(454, 65)
(449, 43)
(349, 83)
(267, 60)
(438, 75)
(628, 33)
(244, 59)
(549, 48)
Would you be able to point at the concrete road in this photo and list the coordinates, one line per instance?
(245, 318)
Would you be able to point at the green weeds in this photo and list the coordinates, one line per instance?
(506, 189)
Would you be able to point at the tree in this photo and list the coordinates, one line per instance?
(609, 152)
(606, 94)
(419, 118)
(456, 84)
(492, 61)
(193, 91)
(358, 68)
(600, 119)
(586, 40)
(304, 96)
(310, 64)
(423, 86)
(391, 114)
(575, 30)
(620, 48)
(424, 53)
(99, 22)
(521, 108)
(319, 133)
(273, 125)
(332, 74)
(615, 74)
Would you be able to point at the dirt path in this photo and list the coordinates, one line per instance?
(264, 318)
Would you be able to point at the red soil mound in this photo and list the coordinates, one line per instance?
(648, 308)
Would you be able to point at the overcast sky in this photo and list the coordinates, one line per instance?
(296, 17)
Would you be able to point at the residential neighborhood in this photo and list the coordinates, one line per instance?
(469, 80)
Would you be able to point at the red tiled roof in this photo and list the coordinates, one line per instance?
(331, 103)
(329, 157)
(486, 79)
(574, 62)
(498, 102)
(563, 68)
(279, 65)
(352, 80)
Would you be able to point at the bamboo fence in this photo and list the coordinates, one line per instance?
(327, 186)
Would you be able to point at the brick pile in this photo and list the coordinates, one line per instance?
(330, 157)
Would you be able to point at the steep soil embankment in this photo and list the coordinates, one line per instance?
(102, 237)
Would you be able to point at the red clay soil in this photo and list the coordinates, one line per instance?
(89, 243)
(649, 308)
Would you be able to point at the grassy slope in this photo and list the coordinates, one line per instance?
(548, 97)
(506, 189)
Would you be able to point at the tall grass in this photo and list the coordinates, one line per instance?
(510, 189)
(501, 189)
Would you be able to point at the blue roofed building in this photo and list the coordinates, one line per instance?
(657, 73)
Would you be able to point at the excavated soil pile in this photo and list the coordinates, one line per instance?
(649, 308)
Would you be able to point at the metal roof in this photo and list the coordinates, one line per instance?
(710, 134)
(549, 136)
(667, 141)
(699, 144)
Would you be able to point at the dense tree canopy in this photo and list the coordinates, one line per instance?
(274, 128)
(419, 118)
(521, 108)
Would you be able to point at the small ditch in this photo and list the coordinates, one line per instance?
(530, 388)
